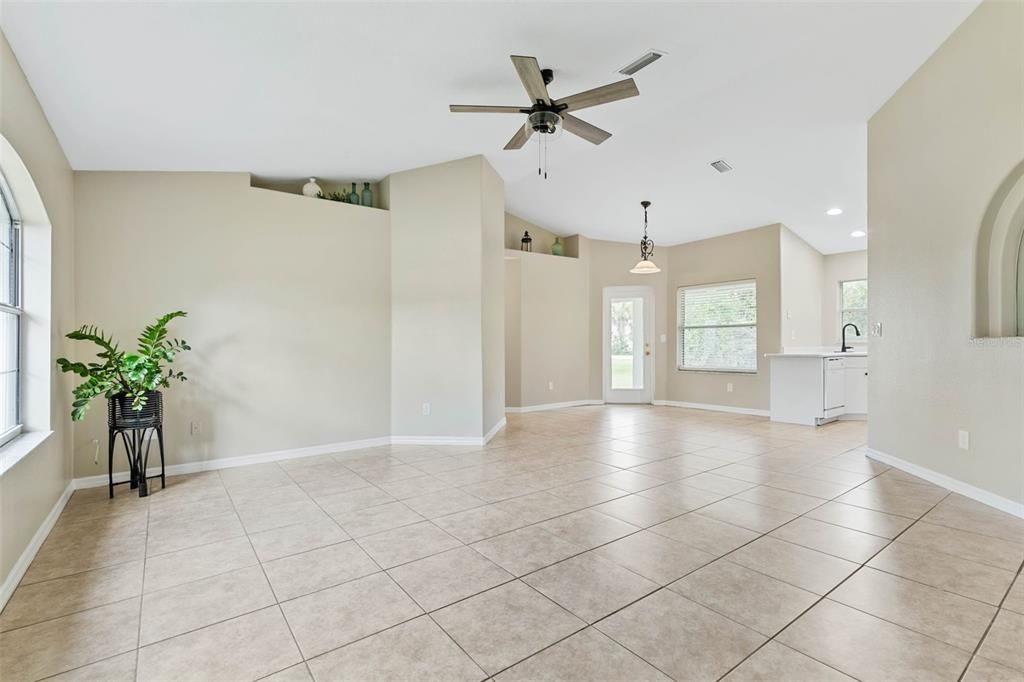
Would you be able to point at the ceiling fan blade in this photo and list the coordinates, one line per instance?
(485, 109)
(588, 132)
(602, 95)
(529, 72)
(520, 138)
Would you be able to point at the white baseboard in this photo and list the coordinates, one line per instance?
(295, 453)
(950, 483)
(239, 461)
(21, 565)
(552, 406)
(494, 431)
(713, 408)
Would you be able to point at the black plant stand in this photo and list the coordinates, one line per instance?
(133, 426)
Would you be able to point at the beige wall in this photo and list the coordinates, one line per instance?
(441, 227)
(492, 289)
(514, 228)
(547, 307)
(937, 152)
(753, 254)
(287, 299)
(801, 269)
(29, 490)
(513, 331)
(839, 267)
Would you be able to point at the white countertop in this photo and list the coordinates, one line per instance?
(820, 354)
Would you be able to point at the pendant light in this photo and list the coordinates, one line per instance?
(645, 266)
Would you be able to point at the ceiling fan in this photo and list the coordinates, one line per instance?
(546, 115)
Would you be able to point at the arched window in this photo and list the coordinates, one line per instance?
(999, 282)
(10, 315)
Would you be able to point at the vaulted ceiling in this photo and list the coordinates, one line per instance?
(782, 91)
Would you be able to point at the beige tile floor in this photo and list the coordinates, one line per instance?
(599, 543)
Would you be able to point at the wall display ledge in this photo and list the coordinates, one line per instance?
(950, 483)
(337, 204)
(516, 253)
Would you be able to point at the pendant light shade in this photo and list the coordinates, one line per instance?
(645, 266)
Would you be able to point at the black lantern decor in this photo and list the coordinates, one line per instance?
(526, 243)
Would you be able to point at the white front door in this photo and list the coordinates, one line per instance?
(628, 332)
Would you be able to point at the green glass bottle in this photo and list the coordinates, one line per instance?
(367, 195)
(353, 196)
(556, 248)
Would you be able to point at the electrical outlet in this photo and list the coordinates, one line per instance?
(664, 338)
(551, 385)
(426, 409)
(195, 428)
(963, 440)
(792, 335)
(876, 329)
(96, 451)
(728, 387)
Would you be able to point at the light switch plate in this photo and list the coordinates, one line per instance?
(664, 338)
(876, 329)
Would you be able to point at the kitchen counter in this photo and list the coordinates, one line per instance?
(820, 354)
(814, 386)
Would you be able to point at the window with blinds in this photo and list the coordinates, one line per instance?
(718, 327)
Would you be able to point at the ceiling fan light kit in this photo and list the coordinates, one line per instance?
(645, 266)
(547, 116)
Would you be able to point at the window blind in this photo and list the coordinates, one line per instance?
(718, 327)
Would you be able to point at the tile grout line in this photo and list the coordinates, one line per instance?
(625, 494)
(988, 628)
(263, 570)
(826, 595)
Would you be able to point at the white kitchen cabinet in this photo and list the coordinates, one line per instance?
(814, 388)
(856, 386)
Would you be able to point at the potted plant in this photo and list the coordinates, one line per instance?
(130, 381)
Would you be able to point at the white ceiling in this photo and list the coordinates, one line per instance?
(355, 91)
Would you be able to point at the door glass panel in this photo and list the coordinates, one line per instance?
(626, 343)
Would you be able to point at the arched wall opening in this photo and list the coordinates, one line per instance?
(999, 262)
(36, 238)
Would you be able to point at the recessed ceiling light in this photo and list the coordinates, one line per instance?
(834, 211)
(858, 234)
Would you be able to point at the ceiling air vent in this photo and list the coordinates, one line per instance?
(646, 60)
(721, 166)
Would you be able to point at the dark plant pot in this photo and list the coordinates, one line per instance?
(120, 414)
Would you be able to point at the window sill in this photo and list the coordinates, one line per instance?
(716, 371)
(21, 447)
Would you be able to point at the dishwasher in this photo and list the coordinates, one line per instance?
(835, 389)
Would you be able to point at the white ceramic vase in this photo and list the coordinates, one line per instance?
(311, 189)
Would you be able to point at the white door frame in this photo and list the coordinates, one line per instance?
(645, 395)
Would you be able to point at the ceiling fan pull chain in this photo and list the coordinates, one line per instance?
(545, 158)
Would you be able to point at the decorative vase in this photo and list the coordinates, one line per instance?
(526, 243)
(311, 189)
(556, 248)
(353, 196)
(367, 195)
